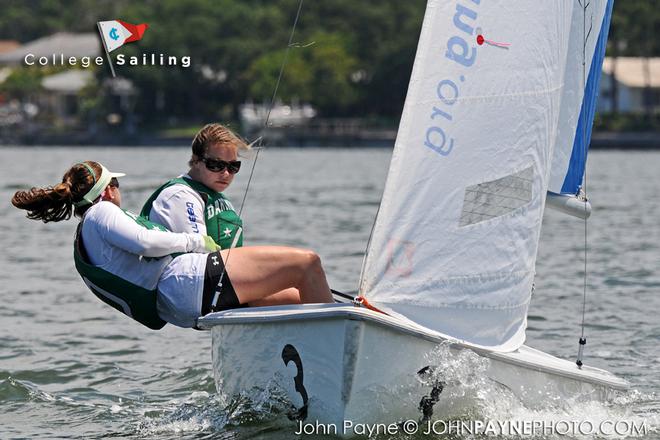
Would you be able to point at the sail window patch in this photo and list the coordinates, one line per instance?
(488, 200)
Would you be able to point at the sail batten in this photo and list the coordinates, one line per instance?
(454, 245)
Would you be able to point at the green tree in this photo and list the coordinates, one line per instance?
(359, 65)
(320, 73)
(22, 83)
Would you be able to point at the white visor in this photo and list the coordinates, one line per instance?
(99, 186)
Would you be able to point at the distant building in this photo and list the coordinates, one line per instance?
(628, 78)
(8, 45)
(66, 43)
(60, 99)
(58, 110)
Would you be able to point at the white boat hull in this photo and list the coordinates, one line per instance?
(361, 367)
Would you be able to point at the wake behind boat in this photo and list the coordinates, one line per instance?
(487, 131)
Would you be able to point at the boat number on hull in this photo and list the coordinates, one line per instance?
(289, 353)
(428, 377)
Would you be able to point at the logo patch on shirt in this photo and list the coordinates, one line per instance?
(192, 217)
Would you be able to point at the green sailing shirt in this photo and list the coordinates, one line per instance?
(132, 300)
(222, 222)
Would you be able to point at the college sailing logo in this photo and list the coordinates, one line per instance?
(116, 33)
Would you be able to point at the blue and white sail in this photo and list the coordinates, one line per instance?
(455, 242)
(588, 41)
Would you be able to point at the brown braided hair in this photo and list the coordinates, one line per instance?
(55, 203)
(214, 134)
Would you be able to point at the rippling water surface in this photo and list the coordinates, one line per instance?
(71, 367)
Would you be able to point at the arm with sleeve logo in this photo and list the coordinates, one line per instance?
(120, 230)
(184, 205)
(181, 209)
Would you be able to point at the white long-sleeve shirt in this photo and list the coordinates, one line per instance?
(117, 244)
(180, 208)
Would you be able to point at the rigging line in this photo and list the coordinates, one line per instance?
(585, 36)
(584, 146)
(270, 107)
(259, 140)
(366, 251)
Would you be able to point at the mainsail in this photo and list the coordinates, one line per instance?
(589, 29)
(455, 242)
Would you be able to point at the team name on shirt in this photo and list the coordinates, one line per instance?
(217, 207)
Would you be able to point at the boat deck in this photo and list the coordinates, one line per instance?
(524, 356)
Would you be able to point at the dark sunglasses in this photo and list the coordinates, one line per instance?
(218, 166)
(114, 182)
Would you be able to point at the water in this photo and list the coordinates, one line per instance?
(71, 367)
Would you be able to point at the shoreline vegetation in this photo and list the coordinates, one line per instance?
(347, 72)
(278, 137)
(611, 131)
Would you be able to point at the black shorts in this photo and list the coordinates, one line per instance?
(226, 295)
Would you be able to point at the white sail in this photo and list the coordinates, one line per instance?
(589, 29)
(456, 238)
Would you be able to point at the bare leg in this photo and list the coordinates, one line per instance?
(286, 296)
(257, 272)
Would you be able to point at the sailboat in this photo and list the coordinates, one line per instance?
(494, 128)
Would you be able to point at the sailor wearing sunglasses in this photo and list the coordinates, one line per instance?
(194, 202)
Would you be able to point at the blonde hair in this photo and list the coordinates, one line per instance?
(55, 203)
(215, 134)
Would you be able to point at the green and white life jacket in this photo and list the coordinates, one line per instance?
(132, 300)
(222, 223)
